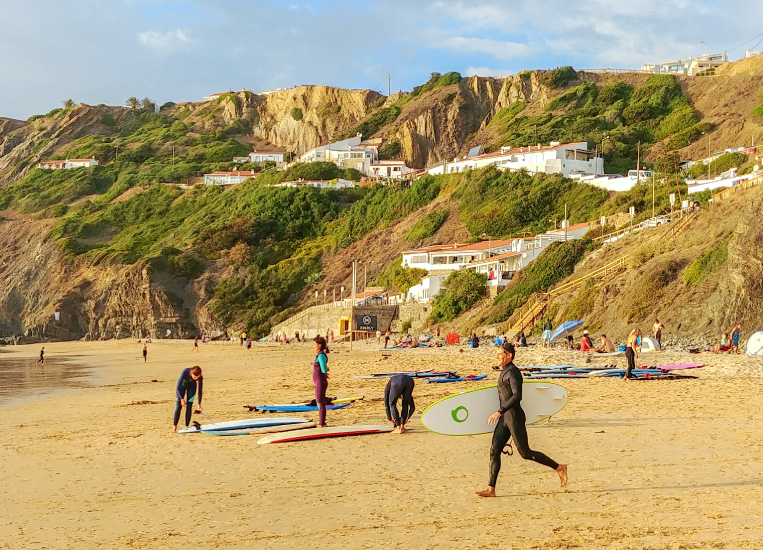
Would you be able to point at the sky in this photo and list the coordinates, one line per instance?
(104, 51)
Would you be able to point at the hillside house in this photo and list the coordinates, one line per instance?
(229, 178)
(692, 65)
(498, 260)
(395, 169)
(218, 95)
(67, 164)
(267, 156)
(554, 158)
(348, 153)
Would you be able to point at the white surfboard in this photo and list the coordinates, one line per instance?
(246, 423)
(466, 413)
(321, 433)
(265, 430)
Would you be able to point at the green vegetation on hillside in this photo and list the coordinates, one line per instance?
(437, 80)
(398, 278)
(463, 289)
(428, 225)
(706, 264)
(503, 204)
(559, 77)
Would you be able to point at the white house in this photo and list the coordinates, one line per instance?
(348, 153)
(267, 156)
(336, 183)
(211, 97)
(727, 179)
(229, 178)
(620, 183)
(693, 65)
(554, 158)
(390, 169)
(67, 164)
(498, 260)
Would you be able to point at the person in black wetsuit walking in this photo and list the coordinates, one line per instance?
(510, 421)
(400, 385)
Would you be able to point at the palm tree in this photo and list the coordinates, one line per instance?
(132, 103)
(68, 104)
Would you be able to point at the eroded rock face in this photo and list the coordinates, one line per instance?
(739, 298)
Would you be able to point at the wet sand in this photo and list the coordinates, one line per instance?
(653, 465)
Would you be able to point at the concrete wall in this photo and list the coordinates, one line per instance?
(313, 321)
(416, 312)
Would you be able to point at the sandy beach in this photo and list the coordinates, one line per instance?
(652, 465)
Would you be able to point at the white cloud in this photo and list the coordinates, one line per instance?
(164, 41)
(486, 71)
(499, 49)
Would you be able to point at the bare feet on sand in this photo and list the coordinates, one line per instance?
(489, 492)
(562, 471)
(175, 429)
(398, 430)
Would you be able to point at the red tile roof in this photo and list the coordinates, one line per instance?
(481, 245)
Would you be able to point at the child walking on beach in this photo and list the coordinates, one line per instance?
(320, 378)
(189, 385)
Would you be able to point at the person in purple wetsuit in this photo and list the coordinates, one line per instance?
(321, 377)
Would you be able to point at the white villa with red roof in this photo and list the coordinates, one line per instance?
(395, 169)
(498, 260)
(66, 164)
(554, 158)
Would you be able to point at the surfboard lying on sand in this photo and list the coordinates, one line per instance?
(459, 379)
(245, 423)
(322, 433)
(266, 430)
(413, 373)
(466, 413)
(336, 401)
(607, 354)
(297, 408)
(679, 366)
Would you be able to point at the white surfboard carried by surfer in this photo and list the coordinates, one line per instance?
(467, 413)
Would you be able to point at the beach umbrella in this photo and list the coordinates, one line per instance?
(566, 328)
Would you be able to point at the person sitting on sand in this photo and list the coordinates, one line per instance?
(570, 342)
(724, 345)
(585, 342)
(735, 339)
(510, 422)
(400, 385)
(521, 340)
(189, 385)
(474, 342)
(606, 345)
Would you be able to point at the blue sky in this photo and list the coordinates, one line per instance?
(104, 51)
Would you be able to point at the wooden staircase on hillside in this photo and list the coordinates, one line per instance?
(535, 307)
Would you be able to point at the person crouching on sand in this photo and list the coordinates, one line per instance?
(321, 377)
(190, 384)
(399, 386)
(510, 421)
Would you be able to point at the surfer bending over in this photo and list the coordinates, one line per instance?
(190, 384)
(400, 385)
(511, 422)
(321, 377)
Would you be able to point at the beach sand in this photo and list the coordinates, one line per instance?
(652, 465)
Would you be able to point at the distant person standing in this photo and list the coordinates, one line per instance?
(321, 377)
(145, 353)
(386, 338)
(195, 344)
(41, 360)
(378, 336)
(399, 386)
(189, 386)
(630, 351)
(438, 332)
(545, 339)
(168, 334)
(735, 339)
(657, 331)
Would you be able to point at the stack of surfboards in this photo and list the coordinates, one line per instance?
(248, 426)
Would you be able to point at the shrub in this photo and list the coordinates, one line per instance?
(706, 264)
(399, 278)
(559, 77)
(727, 161)
(296, 113)
(406, 326)
(462, 290)
(758, 111)
(436, 80)
(428, 225)
(376, 121)
(576, 97)
(390, 150)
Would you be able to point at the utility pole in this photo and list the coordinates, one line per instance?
(653, 195)
(173, 155)
(566, 222)
(638, 163)
(389, 85)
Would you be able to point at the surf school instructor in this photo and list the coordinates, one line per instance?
(511, 420)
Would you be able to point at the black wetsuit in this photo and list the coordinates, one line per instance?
(512, 422)
(186, 388)
(630, 357)
(400, 385)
